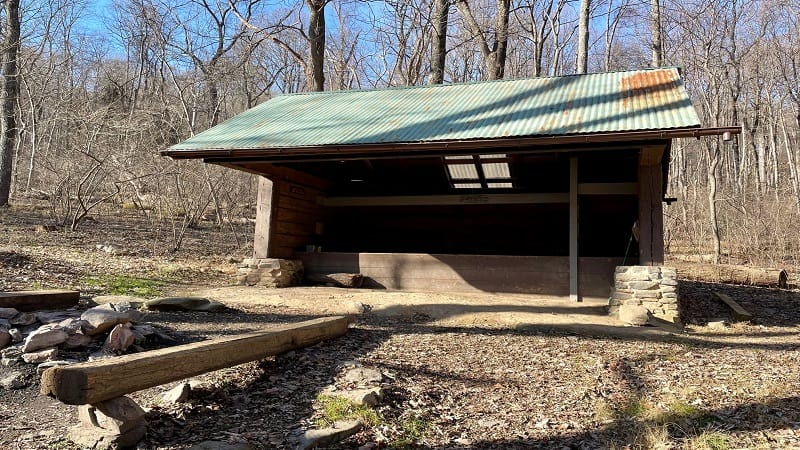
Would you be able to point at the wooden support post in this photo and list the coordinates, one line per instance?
(267, 203)
(39, 300)
(651, 219)
(574, 294)
(96, 381)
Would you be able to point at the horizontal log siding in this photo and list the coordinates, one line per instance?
(546, 275)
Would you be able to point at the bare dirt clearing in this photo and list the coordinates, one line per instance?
(460, 371)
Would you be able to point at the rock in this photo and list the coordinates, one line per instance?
(717, 324)
(56, 316)
(647, 294)
(643, 285)
(97, 438)
(636, 315)
(111, 249)
(354, 307)
(368, 397)
(11, 356)
(77, 340)
(362, 376)
(100, 354)
(184, 304)
(5, 338)
(43, 338)
(57, 363)
(178, 394)
(16, 335)
(40, 356)
(219, 445)
(23, 319)
(134, 302)
(119, 414)
(8, 313)
(14, 380)
(142, 332)
(5, 324)
(101, 319)
(120, 338)
(340, 431)
(123, 306)
(72, 325)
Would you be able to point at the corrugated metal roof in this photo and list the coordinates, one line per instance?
(577, 104)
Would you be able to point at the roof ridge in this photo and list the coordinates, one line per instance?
(466, 83)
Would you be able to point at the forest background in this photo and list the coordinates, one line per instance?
(93, 90)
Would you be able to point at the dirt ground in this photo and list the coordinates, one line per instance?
(459, 370)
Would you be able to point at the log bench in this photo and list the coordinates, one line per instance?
(109, 418)
(39, 300)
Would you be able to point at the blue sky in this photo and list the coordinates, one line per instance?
(96, 10)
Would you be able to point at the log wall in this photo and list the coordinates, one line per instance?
(546, 275)
(289, 213)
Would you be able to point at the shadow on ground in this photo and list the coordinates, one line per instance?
(266, 403)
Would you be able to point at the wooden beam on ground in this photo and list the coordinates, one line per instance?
(434, 200)
(39, 300)
(97, 381)
(574, 293)
(739, 314)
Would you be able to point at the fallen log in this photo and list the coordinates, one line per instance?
(39, 300)
(96, 381)
(732, 274)
(344, 280)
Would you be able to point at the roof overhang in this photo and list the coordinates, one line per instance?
(443, 148)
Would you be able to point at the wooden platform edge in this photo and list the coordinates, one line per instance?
(95, 381)
(739, 313)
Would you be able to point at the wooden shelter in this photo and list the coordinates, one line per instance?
(530, 185)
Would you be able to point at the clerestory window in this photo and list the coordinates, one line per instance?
(479, 171)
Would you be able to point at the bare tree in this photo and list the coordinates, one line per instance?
(494, 54)
(581, 65)
(315, 78)
(439, 48)
(655, 33)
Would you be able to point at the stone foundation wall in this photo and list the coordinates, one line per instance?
(270, 272)
(653, 287)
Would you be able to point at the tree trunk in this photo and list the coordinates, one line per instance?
(583, 37)
(439, 51)
(10, 92)
(315, 78)
(501, 39)
(655, 33)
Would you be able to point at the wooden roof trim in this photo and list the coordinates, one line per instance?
(455, 146)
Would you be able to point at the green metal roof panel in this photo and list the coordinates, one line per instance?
(577, 104)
